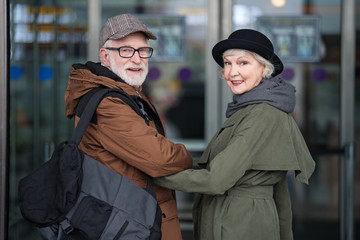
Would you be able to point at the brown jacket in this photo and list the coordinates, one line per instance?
(123, 142)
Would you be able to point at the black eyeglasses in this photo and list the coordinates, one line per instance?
(128, 52)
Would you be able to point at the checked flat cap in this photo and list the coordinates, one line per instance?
(122, 25)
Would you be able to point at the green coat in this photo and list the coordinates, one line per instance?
(242, 178)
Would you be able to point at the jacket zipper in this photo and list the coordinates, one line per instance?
(121, 231)
(138, 92)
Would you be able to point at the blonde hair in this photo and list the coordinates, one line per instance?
(268, 66)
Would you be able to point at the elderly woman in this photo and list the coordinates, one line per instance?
(242, 175)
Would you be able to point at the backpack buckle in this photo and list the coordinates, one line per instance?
(66, 226)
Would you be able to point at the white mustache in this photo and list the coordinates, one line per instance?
(140, 66)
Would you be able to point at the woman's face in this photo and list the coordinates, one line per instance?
(242, 71)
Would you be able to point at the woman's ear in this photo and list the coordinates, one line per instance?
(104, 56)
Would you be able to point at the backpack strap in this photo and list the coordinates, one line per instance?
(151, 112)
(113, 93)
(86, 110)
(89, 111)
(139, 105)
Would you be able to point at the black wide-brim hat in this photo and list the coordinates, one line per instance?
(250, 40)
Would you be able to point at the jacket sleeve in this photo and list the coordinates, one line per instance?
(125, 134)
(224, 169)
(258, 140)
(217, 178)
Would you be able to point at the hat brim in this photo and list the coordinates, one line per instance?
(224, 45)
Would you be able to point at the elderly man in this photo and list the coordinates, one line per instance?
(121, 139)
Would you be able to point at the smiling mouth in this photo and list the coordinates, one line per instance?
(237, 82)
(135, 69)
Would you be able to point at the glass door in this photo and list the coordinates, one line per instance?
(46, 37)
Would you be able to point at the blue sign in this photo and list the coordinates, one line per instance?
(15, 72)
(45, 73)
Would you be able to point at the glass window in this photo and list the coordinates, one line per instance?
(177, 69)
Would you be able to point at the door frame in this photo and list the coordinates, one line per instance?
(4, 117)
(347, 109)
(217, 93)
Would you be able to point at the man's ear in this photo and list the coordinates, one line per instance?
(104, 55)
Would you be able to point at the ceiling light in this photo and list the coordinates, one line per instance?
(278, 3)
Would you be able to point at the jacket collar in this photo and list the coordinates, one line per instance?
(99, 70)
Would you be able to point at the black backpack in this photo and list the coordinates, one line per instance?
(73, 196)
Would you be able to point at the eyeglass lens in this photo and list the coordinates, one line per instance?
(127, 52)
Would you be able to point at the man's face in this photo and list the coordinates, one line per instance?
(132, 70)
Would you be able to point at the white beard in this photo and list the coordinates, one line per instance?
(121, 72)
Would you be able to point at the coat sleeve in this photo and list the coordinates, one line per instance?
(225, 169)
(221, 174)
(124, 134)
(258, 140)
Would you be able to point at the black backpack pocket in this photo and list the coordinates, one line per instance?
(90, 218)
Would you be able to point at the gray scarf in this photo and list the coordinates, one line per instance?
(274, 91)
